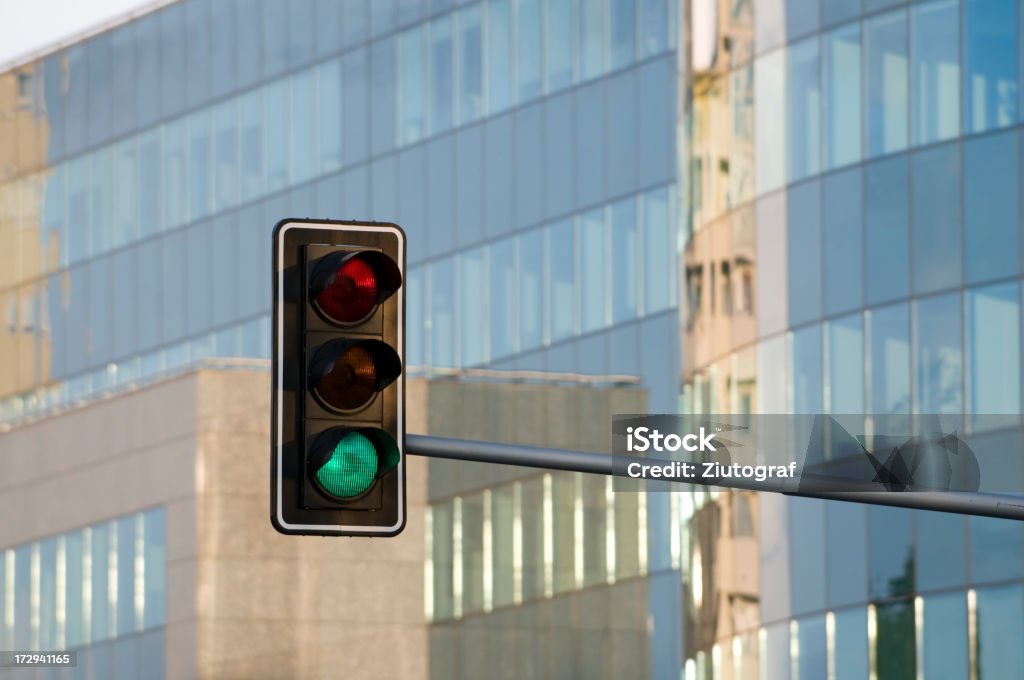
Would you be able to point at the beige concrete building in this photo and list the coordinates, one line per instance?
(139, 534)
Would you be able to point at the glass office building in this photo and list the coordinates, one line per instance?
(852, 246)
(528, 148)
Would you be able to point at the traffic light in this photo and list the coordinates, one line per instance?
(338, 403)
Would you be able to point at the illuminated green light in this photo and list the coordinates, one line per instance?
(351, 468)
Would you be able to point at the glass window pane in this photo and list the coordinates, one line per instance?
(990, 64)
(846, 365)
(412, 77)
(623, 32)
(944, 636)
(625, 262)
(806, 363)
(441, 546)
(442, 74)
(775, 646)
(199, 176)
(303, 121)
(22, 605)
(175, 172)
(154, 565)
(414, 301)
(804, 110)
(593, 276)
(223, 49)
(807, 556)
(846, 537)
(502, 545)
(100, 201)
(803, 236)
(529, 49)
(837, 11)
(561, 280)
(276, 128)
(990, 207)
(473, 306)
(851, 644)
(329, 91)
(125, 178)
(531, 289)
(654, 26)
(996, 546)
(560, 48)
(384, 83)
(993, 336)
(892, 554)
(442, 321)
(659, 253)
(593, 38)
(593, 498)
(123, 594)
(886, 220)
(940, 550)
(503, 298)
(842, 59)
(472, 519)
(939, 359)
(770, 121)
(499, 55)
(843, 268)
(936, 210)
(104, 587)
(1000, 621)
(355, 81)
(225, 131)
(935, 49)
(48, 595)
(75, 586)
(885, 42)
(470, 65)
(895, 641)
(532, 510)
(563, 503)
(251, 156)
(812, 660)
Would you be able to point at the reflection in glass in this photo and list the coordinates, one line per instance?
(531, 289)
(804, 112)
(939, 359)
(944, 636)
(624, 261)
(846, 365)
(1000, 626)
(935, 49)
(473, 306)
(499, 55)
(770, 122)
(659, 252)
(593, 39)
(996, 546)
(442, 321)
(812, 661)
(990, 64)
(887, 78)
(470, 65)
(529, 48)
(841, 68)
(803, 259)
(200, 180)
(894, 641)
(993, 336)
(850, 644)
(890, 531)
(303, 126)
(844, 233)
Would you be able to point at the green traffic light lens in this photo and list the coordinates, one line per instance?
(351, 467)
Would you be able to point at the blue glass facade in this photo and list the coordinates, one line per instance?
(152, 158)
(882, 234)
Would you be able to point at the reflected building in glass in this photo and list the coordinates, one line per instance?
(852, 246)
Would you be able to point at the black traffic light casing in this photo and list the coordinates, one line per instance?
(338, 392)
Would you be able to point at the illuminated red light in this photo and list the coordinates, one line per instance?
(352, 295)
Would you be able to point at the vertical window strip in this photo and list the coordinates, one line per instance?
(61, 596)
(428, 564)
(830, 644)
(517, 542)
(457, 557)
(112, 567)
(609, 530)
(140, 571)
(34, 596)
(641, 522)
(577, 529)
(87, 585)
(549, 539)
(488, 547)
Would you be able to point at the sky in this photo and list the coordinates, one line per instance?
(28, 26)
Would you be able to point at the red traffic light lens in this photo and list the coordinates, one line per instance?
(353, 293)
(347, 286)
(346, 375)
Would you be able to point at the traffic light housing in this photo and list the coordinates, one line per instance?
(338, 399)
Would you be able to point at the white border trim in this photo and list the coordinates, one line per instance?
(280, 370)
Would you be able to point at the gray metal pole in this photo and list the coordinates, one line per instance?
(811, 486)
